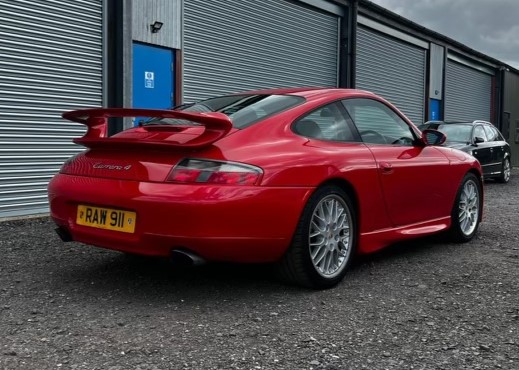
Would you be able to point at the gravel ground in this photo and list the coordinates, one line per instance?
(425, 304)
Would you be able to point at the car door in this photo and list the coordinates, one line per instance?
(331, 132)
(482, 149)
(497, 148)
(415, 179)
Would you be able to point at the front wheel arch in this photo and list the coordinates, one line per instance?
(462, 207)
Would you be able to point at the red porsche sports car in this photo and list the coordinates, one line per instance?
(303, 177)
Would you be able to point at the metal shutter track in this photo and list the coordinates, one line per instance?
(51, 62)
(392, 69)
(467, 93)
(233, 45)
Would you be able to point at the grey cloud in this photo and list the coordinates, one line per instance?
(491, 27)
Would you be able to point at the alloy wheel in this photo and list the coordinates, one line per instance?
(468, 207)
(331, 236)
(506, 170)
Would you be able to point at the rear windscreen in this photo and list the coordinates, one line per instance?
(243, 110)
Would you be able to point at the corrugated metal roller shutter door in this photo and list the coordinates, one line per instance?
(51, 61)
(467, 93)
(236, 45)
(392, 69)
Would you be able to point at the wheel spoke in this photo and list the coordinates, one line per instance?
(464, 223)
(317, 229)
(330, 205)
(318, 242)
(322, 262)
(329, 260)
(319, 255)
(342, 220)
(320, 215)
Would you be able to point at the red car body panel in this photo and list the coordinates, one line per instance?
(400, 192)
(247, 224)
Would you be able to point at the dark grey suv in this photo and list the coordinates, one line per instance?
(480, 139)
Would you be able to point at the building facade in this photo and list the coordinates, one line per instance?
(60, 55)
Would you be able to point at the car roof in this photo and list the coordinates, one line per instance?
(309, 92)
(458, 123)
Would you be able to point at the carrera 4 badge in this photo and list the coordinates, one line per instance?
(104, 166)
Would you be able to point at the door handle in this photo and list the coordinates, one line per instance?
(386, 167)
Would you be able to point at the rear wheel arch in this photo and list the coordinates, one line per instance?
(478, 175)
(346, 187)
(299, 265)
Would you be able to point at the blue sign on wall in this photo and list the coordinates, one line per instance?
(434, 110)
(153, 77)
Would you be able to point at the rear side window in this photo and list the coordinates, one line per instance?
(325, 123)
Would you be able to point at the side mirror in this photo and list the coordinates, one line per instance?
(478, 140)
(433, 137)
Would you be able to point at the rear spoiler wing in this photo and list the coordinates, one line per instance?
(216, 126)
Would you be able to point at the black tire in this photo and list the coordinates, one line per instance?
(337, 238)
(466, 210)
(504, 177)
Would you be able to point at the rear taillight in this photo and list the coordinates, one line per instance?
(214, 172)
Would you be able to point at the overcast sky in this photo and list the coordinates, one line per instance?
(488, 26)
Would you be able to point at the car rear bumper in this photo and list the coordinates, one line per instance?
(225, 223)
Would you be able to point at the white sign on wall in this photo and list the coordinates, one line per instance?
(149, 80)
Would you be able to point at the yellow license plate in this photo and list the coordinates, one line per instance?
(106, 218)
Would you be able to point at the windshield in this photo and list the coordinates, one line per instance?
(456, 133)
(243, 110)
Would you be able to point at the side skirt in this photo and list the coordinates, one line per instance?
(373, 241)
